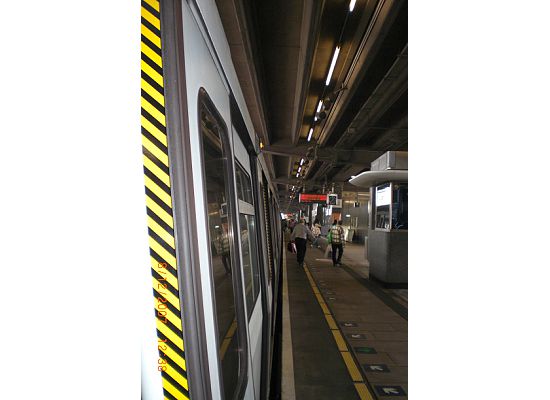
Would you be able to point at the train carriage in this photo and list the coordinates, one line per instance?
(213, 218)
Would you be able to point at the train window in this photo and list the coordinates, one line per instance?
(267, 220)
(219, 229)
(250, 260)
(400, 203)
(244, 187)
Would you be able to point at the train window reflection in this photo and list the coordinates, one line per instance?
(219, 220)
(244, 186)
(250, 260)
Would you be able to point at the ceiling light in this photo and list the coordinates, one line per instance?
(301, 162)
(297, 174)
(320, 105)
(309, 134)
(332, 65)
(351, 5)
(299, 169)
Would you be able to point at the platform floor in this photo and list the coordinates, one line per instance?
(345, 337)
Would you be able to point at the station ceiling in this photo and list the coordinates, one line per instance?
(283, 51)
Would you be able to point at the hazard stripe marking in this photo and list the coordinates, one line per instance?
(171, 279)
(153, 55)
(172, 389)
(158, 167)
(150, 17)
(159, 116)
(173, 318)
(158, 191)
(170, 334)
(158, 153)
(167, 294)
(159, 212)
(153, 130)
(147, 69)
(158, 201)
(161, 251)
(174, 356)
(148, 34)
(154, 4)
(159, 173)
(151, 91)
(169, 239)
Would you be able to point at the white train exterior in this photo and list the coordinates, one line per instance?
(213, 218)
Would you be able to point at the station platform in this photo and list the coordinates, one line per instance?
(344, 335)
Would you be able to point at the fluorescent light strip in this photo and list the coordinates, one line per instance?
(320, 105)
(309, 135)
(299, 169)
(301, 162)
(332, 65)
(351, 5)
(297, 174)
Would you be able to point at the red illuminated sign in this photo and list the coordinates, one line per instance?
(313, 198)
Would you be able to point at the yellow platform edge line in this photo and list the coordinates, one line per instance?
(351, 365)
(363, 391)
(340, 342)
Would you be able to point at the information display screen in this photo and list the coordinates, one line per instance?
(383, 195)
(382, 204)
(313, 198)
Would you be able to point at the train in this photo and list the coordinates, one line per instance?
(211, 324)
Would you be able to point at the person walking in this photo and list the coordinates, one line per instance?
(337, 242)
(299, 236)
(316, 231)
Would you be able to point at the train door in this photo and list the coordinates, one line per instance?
(220, 232)
(250, 257)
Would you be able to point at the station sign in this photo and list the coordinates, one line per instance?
(309, 198)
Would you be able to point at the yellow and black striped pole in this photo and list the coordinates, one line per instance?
(171, 362)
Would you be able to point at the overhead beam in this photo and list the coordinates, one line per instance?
(311, 184)
(379, 26)
(335, 156)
